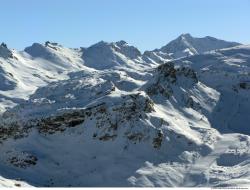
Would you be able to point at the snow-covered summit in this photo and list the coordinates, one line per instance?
(186, 45)
(104, 55)
(127, 50)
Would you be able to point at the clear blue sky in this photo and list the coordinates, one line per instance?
(147, 24)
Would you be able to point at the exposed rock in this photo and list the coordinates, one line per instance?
(167, 76)
(157, 141)
(23, 160)
(14, 131)
(5, 52)
(244, 85)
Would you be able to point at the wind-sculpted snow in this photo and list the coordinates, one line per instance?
(107, 115)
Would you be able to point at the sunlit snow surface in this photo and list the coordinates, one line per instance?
(108, 115)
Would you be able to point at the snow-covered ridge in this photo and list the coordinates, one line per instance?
(227, 71)
(108, 115)
(104, 55)
(23, 72)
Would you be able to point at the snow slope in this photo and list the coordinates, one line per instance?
(109, 116)
(227, 71)
(23, 73)
(115, 123)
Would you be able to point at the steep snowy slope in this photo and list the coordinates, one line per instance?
(227, 71)
(23, 73)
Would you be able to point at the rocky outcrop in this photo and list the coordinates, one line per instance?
(22, 159)
(244, 85)
(168, 76)
(13, 130)
(106, 120)
(5, 52)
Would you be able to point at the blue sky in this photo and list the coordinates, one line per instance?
(147, 24)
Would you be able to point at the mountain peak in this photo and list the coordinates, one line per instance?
(37, 50)
(51, 44)
(100, 43)
(4, 51)
(186, 45)
(42, 50)
(186, 35)
(127, 49)
(4, 45)
(121, 43)
(103, 55)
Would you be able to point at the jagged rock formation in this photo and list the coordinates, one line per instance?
(5, 52)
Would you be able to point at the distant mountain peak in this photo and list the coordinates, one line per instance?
(4, 45)
(37, 50)
(51, 44)
(121, 43)
(44, 50)
(100, 43)
(127, 49)
(186, 45)
(4, 51)
(186, 35)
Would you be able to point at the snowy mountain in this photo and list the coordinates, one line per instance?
(110, 55)
(186, 45)
(227, 71)
(23, 72)
(108, 115)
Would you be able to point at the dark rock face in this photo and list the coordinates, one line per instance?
(172, 74)
(22, 160)
(60, 123)
(168, 76)
(244, 85)
(157, 141)
(14, 131)
(5, 52)
(107, 121)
